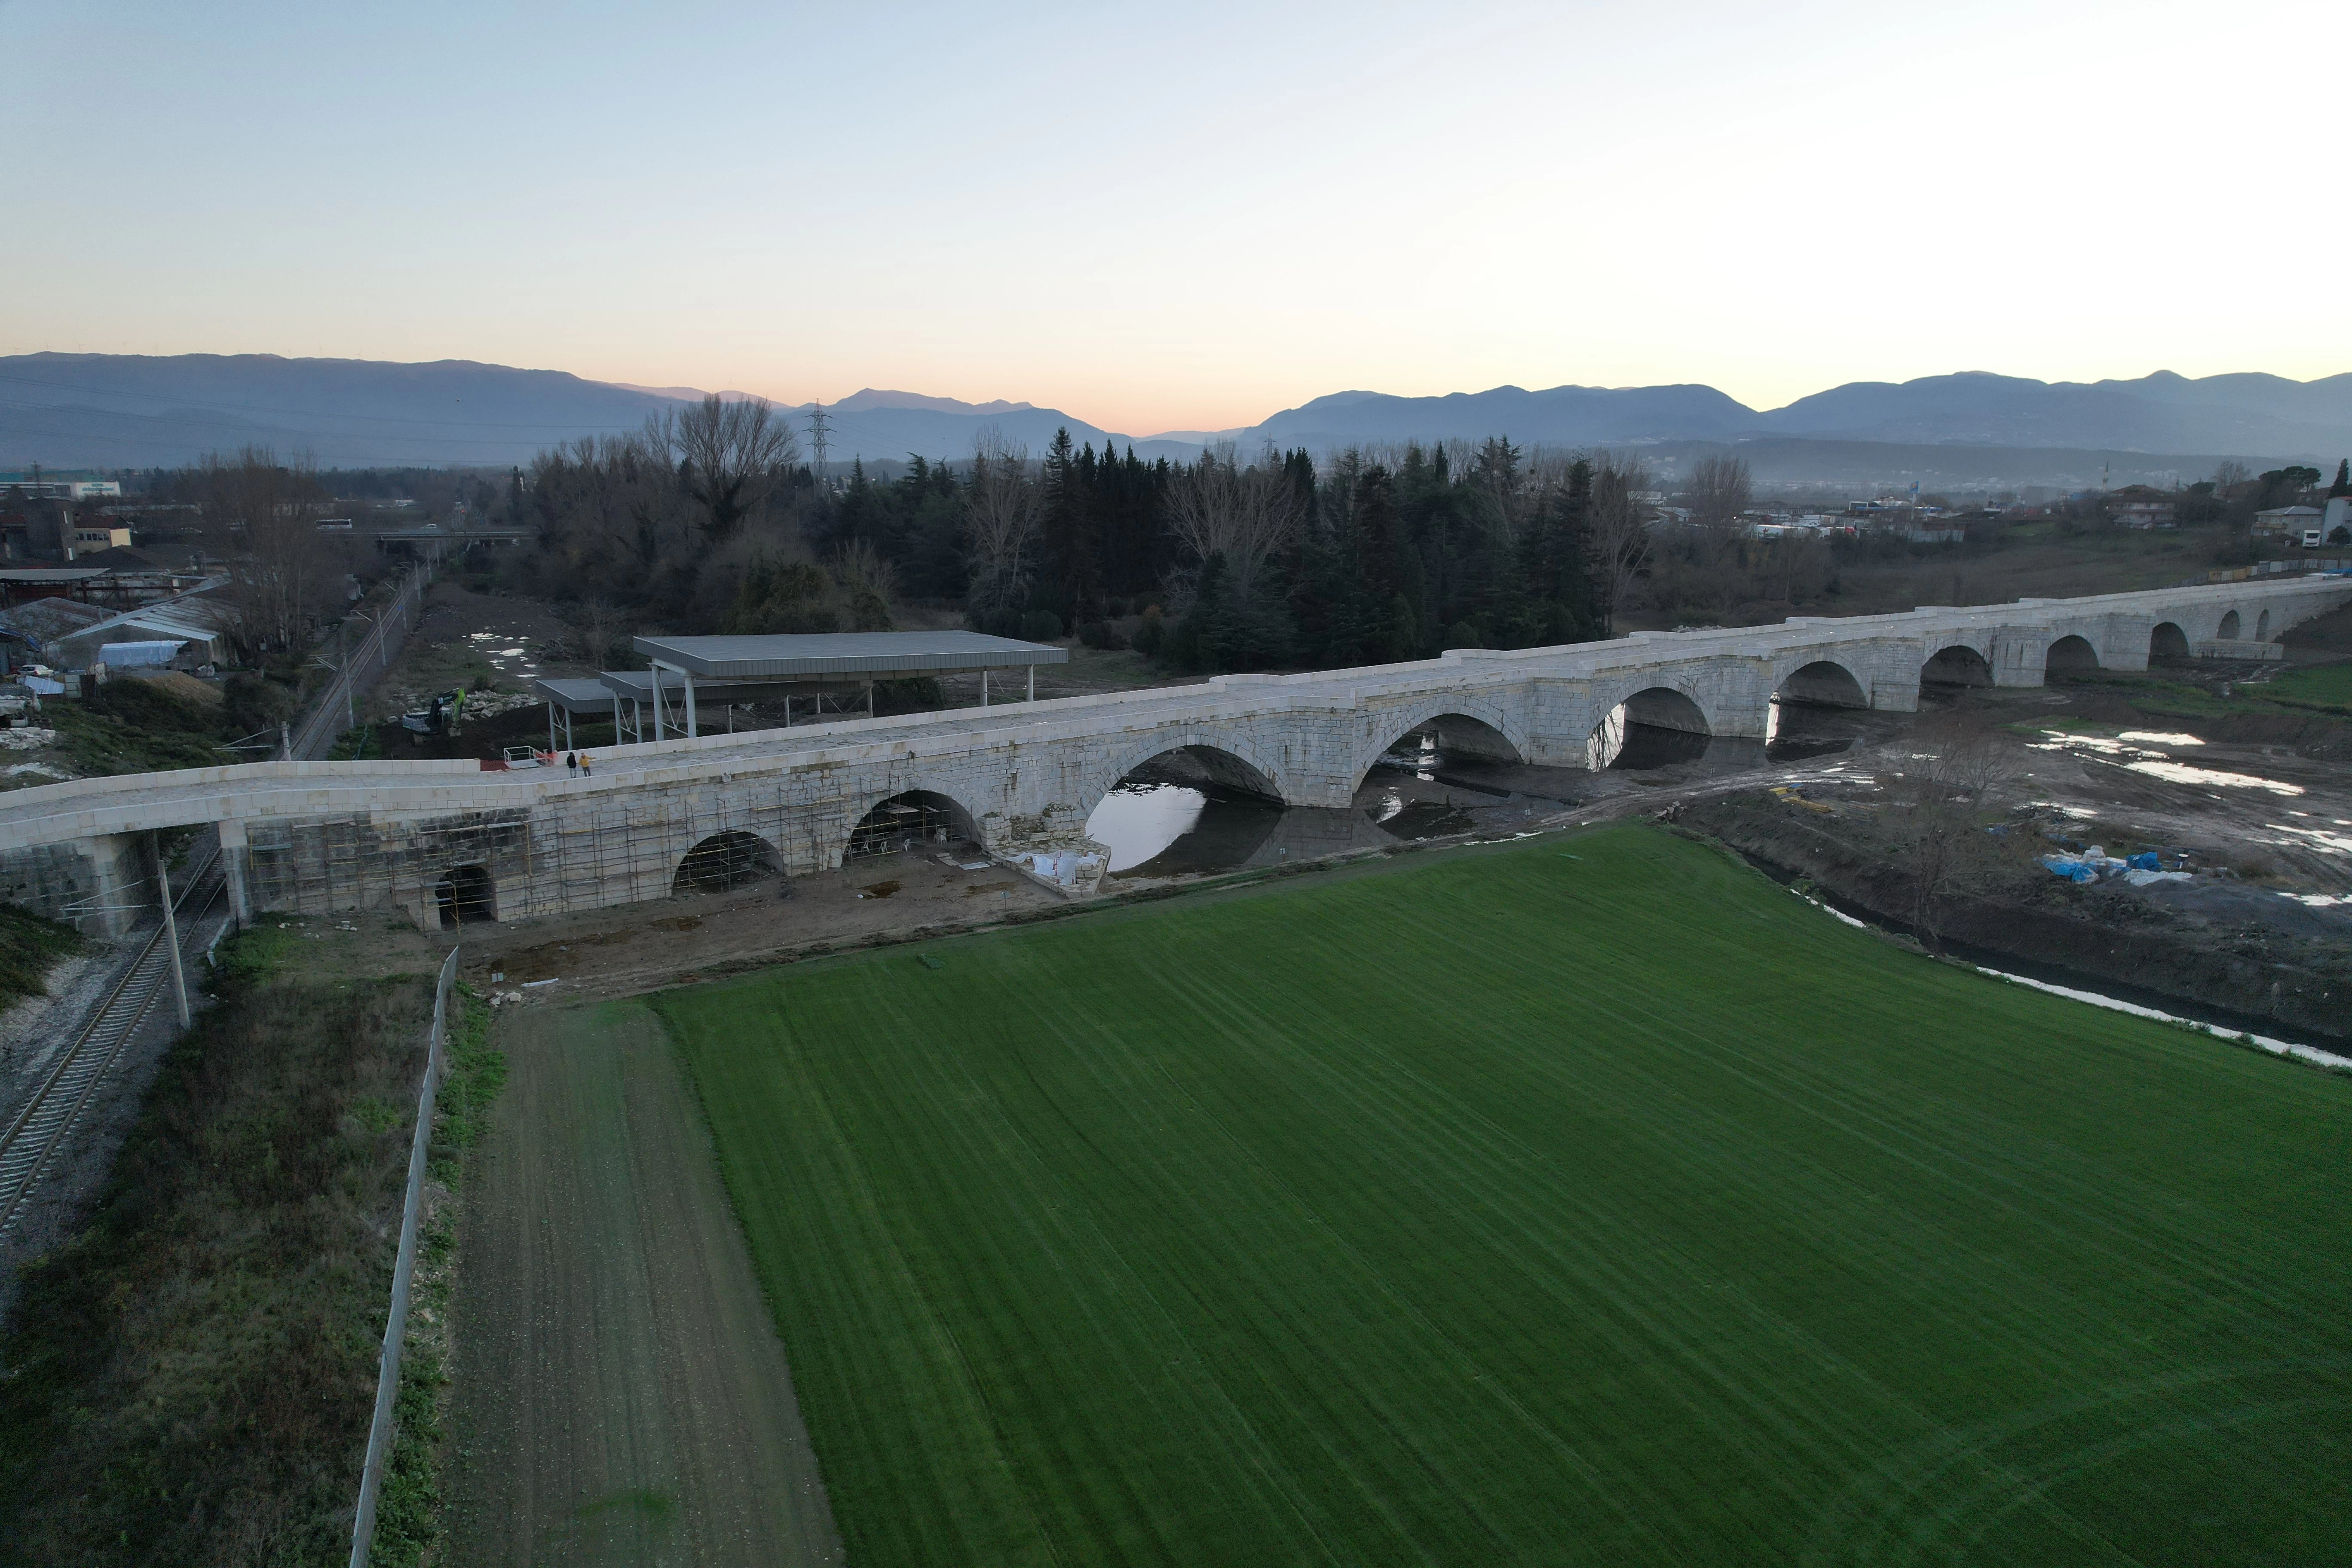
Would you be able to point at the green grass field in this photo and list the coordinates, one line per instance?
(1584, 1200)
(2327, 686)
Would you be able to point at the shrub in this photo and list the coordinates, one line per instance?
(1040, 626)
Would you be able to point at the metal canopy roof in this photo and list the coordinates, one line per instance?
(866, 655)
(637, 685)
(575, 695)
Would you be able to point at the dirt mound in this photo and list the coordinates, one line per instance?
(179, 683)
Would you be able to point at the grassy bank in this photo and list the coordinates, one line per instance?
(1586, 1200)
(191, 1378)
(29, 947)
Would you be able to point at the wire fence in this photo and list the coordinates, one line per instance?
(333, 710)
(387, 1385)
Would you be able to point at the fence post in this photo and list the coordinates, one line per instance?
(387, 1384)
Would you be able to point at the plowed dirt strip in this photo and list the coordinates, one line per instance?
(621, 1394)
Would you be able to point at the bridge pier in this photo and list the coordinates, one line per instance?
(233, 854)
(96, 884)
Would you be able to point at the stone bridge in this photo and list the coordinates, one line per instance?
(441, 839)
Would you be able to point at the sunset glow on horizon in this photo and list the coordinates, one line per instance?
(1186, 220)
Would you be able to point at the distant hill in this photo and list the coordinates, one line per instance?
(108, 411)
(134, 411)
(2263, 414)
(2249, 415)
(138, 411)
(1564, 416)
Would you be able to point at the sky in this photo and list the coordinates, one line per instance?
(1186, 218)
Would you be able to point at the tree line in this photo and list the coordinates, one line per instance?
(708, 518)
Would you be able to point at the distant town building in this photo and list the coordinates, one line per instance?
(2286, 522)
(58, 484)
(2141, 506)
(103, 533)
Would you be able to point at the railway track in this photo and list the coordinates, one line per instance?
(40, 1127)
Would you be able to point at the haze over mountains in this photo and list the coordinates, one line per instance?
(136, 411)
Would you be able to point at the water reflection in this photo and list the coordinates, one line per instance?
(1172, 821)
(1617, 741)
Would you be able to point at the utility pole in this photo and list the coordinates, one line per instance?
(171, 932)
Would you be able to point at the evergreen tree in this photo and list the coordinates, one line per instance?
(2343, 485)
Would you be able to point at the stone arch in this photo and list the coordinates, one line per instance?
(2228, 630)
(1221, 756)
(887, 820)
(2166, 640)
(1462, 723)
(2070, 655)
(726, 861)
(1956, 665)
(1822, 683)
(1652, 708)
(2263, 628)
(467, 895)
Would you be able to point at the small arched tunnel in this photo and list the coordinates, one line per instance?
(1456, 735)
(2263, 628)
(726, 861)
(908, 818)
(2228, 632)
(1958, 665)
(1652, 727)
(2070, 656)
(1823, 684)
(2167, 641)
(466, 896)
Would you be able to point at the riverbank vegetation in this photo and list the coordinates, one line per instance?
(1585, 1199)
(190, 1378)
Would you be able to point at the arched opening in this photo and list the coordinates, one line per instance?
(1812, 712)
(1192, 808)
(467, 897)
(2229, 629)
(1652, 729)
(1958, 665)
(726, 861)
(910, 820)
(2070, 656)
(1454, 736)
(2167, 641)
(1823, 684)
(2263, 628)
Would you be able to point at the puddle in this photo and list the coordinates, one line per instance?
(2318, 839)
(2155, 764)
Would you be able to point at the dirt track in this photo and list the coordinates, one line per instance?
(621, 1394)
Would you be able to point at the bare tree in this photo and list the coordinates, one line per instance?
(1942, 803)
(1721, 489)
(1005, 503)
(727, 455)
(600, 622)
(1215, 507)
(263, 516)
(1620, 538)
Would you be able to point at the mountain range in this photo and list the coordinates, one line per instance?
(137, 411)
